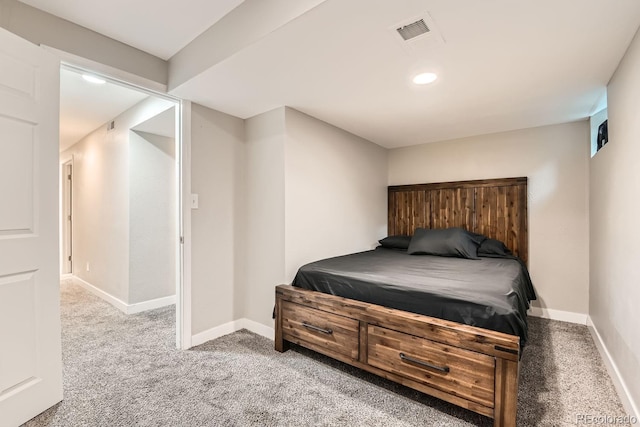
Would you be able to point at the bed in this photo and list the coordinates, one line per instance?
(459, 334)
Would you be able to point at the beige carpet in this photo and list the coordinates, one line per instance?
(124, 371)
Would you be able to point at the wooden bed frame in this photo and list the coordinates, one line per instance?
(470, 367)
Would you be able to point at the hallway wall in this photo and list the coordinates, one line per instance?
(152, 217)
(102, 204)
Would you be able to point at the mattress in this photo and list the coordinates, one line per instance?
(490, 293)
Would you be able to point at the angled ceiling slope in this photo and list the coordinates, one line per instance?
(160, 28)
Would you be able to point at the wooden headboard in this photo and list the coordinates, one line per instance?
(496, 208)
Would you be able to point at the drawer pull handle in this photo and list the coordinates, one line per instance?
(506, 350)
(425, 364)
(316, 328)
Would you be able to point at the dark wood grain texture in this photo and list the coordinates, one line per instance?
(332, 332)
(483, 375)
(279, 343)
(410, 210)
(506, 402)
(463, 373)
(452, 207)
(496, 208)
(460, 335)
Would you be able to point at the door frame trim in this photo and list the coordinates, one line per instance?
(183, 143)
(67, 159)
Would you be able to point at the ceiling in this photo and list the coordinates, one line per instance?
(159, 27)
(86, 106)
(502, 64)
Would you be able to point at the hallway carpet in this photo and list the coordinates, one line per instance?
(124, 370)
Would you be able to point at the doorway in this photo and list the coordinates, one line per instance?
(121, 198)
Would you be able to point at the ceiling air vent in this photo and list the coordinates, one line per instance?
(111, 125)
(413, 30)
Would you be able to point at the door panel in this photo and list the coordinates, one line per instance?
(16, 175)
(18, 76)
(30, 354)
(17, 308)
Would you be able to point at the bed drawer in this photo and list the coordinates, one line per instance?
(329, 333)
(463, 373)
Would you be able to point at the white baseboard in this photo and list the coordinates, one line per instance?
(151, 304)
(231, 327)
(564, 316)
(618, 381)
(258, 328)
(213, 333)
(121, 305)
(117, 303)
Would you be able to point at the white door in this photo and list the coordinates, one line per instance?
(30, 354)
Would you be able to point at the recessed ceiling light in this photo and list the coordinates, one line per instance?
(93, 79)
(425, 78)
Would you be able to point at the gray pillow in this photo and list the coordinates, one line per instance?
(478, 238)
(396, 242)
(452, 242)
(493, 247)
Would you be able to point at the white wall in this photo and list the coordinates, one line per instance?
(555, 159)
(152, 216)
(614, 212)
(313, 191)
(217, 158)
(265, 215)
(335, 192)
(101, 208)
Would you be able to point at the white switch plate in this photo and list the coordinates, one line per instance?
(194, 201)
